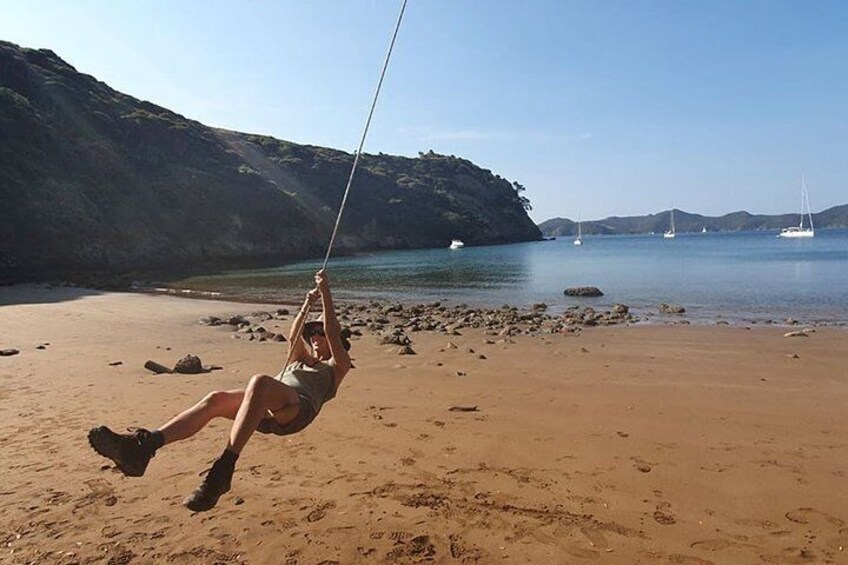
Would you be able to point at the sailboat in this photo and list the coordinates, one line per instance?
(579, 240)
(704, 229)
(670, 234)
(801, 231)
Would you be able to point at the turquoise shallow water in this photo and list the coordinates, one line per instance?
(736, 276)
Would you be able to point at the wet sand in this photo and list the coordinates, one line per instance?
(626, 444)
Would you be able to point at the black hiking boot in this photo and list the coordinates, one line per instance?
(130, 452)
(216, 483)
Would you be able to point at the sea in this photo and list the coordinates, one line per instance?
(737, 277)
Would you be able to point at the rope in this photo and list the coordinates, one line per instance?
(353, 168)
(364, 134)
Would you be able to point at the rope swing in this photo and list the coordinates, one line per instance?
(364, 134)
(356, 155)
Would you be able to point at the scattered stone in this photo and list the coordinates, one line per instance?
(461, 373)
(800, 333)
(481, 356)
(8, 352)
(671, 309)
(583, 291)
(41, 347)
(584, 350)
(406, 350)
(643, 468)
(792, 355)
(189, 365)
(116, 363)
(620, 310)
(463, 408)
(238, 501)
(210, 321)
(623, 434)
(236, 321)
(451, 345)
(157, 368)
(279, 337)
(396, 337)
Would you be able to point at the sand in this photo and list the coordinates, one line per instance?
(637, 444)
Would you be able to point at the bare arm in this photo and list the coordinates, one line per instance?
(297, 350)
(332, 328)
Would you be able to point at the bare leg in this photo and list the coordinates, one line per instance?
(263, 393)
(218, 404)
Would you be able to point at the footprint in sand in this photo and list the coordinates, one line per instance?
(419, 547)
(664, 518)
(320, 512)
(711, 544)
(688, 560)
(458, 550)
(814, 517)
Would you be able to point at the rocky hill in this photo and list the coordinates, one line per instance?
(836, 217)
(95, 183)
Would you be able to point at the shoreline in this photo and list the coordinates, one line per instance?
(643, 315)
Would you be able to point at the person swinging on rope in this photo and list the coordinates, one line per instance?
(280, 405)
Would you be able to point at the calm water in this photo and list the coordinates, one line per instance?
(736, 276)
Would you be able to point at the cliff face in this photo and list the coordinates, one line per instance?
(96, 183)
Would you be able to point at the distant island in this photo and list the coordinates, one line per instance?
(96, 185)
(836, 217)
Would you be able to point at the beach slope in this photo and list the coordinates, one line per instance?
(620, 445)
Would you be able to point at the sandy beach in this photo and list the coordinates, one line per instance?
(625, 444)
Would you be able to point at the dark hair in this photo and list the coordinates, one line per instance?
(309, 329)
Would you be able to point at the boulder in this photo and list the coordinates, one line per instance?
(620, 310)
(671, 309)
(236, 321)
(189, 365)
(583, 291)
(395, 338)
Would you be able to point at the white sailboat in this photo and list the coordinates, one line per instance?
(670, 234)
(704, 229)
(800, 230)
(456, 244)
(579, 240)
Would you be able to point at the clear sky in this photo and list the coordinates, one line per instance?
(598, 107)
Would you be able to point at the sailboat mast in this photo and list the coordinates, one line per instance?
(807, 199)
(803, 190)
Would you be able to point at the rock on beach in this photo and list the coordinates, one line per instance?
(583, 291)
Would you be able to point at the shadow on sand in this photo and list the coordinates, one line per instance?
(18, 294)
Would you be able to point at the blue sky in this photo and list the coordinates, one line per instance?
(598, 107)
